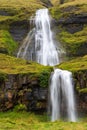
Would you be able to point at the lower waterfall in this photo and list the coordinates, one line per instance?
(61, 87)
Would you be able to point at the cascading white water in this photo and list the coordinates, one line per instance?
(46, 52)
(62, 87)
(23, 50)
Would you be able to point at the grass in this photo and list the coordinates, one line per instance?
(29, 121)
(75, 65)
(74, 7)
(19, 9)
(74, 42)
(14, 11)
(6, 42)
(12, 65)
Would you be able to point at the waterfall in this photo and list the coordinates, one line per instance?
(25, 50)
(39, 41)
(46, 52)
(62, 87)
(40, 46)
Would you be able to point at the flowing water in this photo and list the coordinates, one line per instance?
(25, 50)
(46, 53)
(61, 87)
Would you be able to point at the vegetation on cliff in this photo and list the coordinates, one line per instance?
(72, 35)
(12, 65)
(12, 11)
(77, 64)
(71, 19)
(7, 44)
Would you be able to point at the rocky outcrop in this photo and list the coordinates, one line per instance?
(19, 89)
(22, 89)
(81, 89)
(19, 30)
(73, 19)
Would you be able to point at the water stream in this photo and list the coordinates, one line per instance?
(62, 95)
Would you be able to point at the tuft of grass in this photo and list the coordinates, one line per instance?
(73, 42)
(77, 64)
(6, 42)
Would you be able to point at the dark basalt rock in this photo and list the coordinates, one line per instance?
(81, 83)
(19, 30)
(73, 19)
(72, 28)
(4, 13)
(22, 89)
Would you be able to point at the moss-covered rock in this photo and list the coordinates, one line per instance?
(23, 82)
(14, 22)
(71, 21)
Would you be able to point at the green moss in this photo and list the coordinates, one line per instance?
(20, 107)
(68, 8)
(2, 77)
(6, 42)
(55, 12)
(18, 9)
(44, 78)
(75, 65)
(12, 65)
(84, 90)
(74, 42)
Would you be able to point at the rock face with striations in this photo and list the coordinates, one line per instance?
(19, 89)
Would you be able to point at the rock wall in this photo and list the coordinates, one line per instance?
(81, 91)
(22, 89)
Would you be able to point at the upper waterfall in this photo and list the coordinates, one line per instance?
(39, 44)
(46, 52)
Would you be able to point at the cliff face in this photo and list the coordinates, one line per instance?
(71, 20)
(25, 82)
(24, 89)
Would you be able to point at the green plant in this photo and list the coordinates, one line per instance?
(44, 78)
(20, 107)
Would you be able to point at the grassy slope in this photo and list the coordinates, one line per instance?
(7, 44)
(78, 64)
(14, 10)
(28, 121)
(12, 65)
(72, 42)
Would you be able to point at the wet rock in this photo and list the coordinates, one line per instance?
(19, 30)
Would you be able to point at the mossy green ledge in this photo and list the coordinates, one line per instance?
(23, 69)
(78, 67)
(71, 22)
